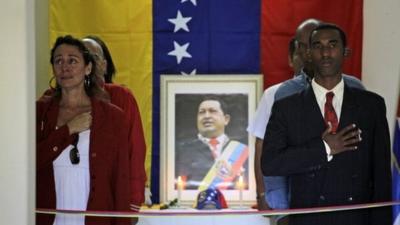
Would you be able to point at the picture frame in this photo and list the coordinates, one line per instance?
(180, 99)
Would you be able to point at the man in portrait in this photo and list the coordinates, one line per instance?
(212, 159)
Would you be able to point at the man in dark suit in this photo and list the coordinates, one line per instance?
(332, 141)
(212, 159)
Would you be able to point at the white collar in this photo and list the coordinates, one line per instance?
(320, 96)
(320, 91)
(221, 139)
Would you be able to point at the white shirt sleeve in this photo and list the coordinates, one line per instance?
(260, 120)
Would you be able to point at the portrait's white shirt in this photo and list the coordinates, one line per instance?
(222, 140)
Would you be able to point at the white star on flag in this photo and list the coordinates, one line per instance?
(180, 52)
(180, 22)
(193, 73)
(193, 1)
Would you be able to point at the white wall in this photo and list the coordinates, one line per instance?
(42, 46)
(17, 95)
(381, 51)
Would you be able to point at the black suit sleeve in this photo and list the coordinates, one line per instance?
(282, 157)
(381, 166)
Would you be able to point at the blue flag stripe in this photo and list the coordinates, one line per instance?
(213, 37)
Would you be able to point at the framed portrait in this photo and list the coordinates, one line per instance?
(204, 143)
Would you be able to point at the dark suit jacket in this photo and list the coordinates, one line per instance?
(193, 159)
(293, 147)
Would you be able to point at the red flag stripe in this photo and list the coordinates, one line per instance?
(279, 20)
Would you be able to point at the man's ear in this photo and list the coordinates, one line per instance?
(227, 119)
(105, 65)
(308, 55)
(290, 61)
(88, 68)
(347, 52)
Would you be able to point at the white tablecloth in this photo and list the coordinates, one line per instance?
(231, 219)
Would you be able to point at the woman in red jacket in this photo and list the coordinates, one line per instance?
(82, 143)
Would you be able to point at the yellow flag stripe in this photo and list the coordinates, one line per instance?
(126, 27)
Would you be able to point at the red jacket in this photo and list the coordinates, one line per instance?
(108, 163)
(123, 98)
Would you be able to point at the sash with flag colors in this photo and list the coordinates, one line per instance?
(148, 38)
(234, 156)
(396, 168)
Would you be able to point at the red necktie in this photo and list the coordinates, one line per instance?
(213, 145)
(330, 114)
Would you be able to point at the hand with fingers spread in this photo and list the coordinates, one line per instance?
(80, 123)
(344, 140)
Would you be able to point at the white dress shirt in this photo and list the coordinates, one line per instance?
(320, 95)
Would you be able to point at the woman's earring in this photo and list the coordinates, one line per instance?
(53, 83)
(87, 82)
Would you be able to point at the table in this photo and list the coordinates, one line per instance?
(189, 217)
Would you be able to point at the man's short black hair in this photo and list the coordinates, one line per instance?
(213, 97)
(330, 26)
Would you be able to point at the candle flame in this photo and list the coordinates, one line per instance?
(240, 182)
(180, 183)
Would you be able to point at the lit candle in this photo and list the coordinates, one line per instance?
(240, 185)
(179, 184)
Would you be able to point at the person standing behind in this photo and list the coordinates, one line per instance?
(109, 68)
(258, 124)
(331, 140)
(82, 143)
(124, 99)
